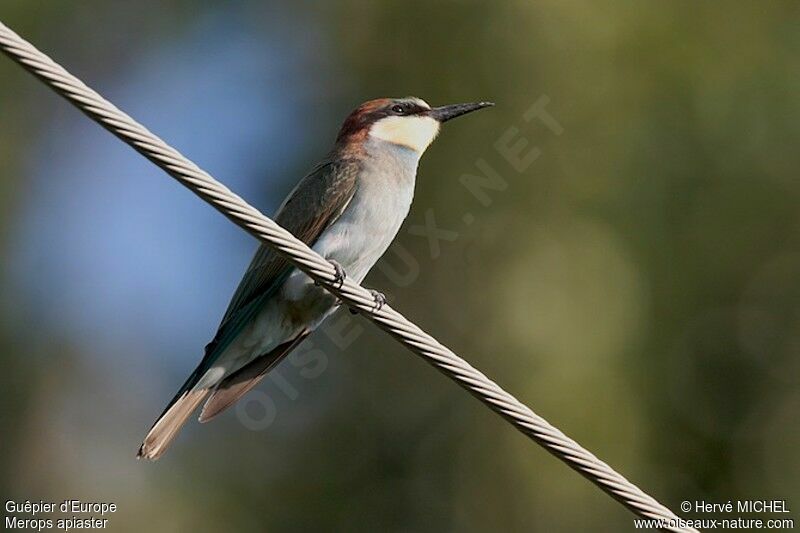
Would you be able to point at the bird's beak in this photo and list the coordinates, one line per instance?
(446, 112)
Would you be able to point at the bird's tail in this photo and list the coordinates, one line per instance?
(166, 428)
(195, 390)
(177, 412)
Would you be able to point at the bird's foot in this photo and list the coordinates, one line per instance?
(378, 297)
(340, 274)
(338, 277)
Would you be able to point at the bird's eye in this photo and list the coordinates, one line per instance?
(400, 110)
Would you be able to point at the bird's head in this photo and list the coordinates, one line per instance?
(409, 122)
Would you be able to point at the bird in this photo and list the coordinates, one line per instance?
(348, 209)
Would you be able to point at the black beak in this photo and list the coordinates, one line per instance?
(446, 112)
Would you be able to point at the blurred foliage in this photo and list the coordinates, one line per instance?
(636, 284)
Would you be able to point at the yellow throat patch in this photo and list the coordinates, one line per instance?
(414, 132)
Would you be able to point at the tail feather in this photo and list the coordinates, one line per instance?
(195, 390)
(177, 411)
(166, 428)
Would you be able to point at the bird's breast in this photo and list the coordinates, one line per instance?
(369, 224)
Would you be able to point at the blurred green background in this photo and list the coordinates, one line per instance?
(636, 283)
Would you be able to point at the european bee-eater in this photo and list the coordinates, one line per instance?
(348, 209)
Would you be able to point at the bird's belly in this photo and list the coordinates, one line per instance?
(279, 320)
(357, 243)
(269, 328)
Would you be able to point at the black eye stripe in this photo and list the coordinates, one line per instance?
(402, 109)
(406, 108)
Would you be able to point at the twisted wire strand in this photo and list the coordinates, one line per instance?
(350, 293)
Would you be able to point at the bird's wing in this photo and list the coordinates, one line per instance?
(314, 204)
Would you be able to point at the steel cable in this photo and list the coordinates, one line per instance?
(350, 293)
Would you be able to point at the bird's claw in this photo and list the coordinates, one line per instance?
(340, 274)
(377, 296)
(338, 277)
(380, 299)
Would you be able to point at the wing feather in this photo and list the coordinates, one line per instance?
(316, 203)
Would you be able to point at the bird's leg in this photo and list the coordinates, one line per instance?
(380, 301)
